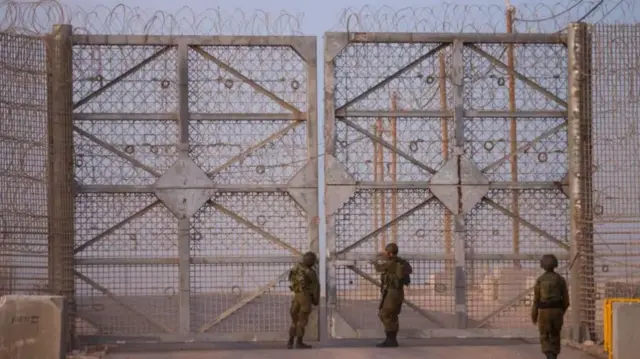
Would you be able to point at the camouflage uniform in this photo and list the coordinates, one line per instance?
(306, 288)
(550, 302)
(391, 269)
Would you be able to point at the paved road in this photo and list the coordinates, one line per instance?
(442, 350)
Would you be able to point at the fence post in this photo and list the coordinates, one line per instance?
(60, 168)
(581, 277)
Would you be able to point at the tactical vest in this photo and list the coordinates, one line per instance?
(298, 282)
(550, 288)
(389, 279)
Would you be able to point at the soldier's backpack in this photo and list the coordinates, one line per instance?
(297, 279)
(406, 272)
(550, 288)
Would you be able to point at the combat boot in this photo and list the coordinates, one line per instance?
(551, 355)
(390, 341)
(292, 336)
(301, 345)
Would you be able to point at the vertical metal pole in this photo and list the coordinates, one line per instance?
(581, 277)
(60, 169)
(460, 278)
(376, 199)
(381, 195)
(394, 166)
(184, 223)
(312, 156)
(513, 134)
(329, 149)
(448, 242)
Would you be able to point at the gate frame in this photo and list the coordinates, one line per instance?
(338, 187)
(302, 187)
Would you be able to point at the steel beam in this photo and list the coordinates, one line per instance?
(496, 62)
(121, 77)
(202, 40)
(387, 145)
(407, 302)
(484, 321)
(255, 228)
(249, 150)
(355, 258)
(302, 116)
(469, 114)
(124, 304)
(197, 340)
(475, 38)
(201, 260)
(524, 147)
(256, 86)
(526, 223)
(390, 78)
(244, 301)
(409, 185)
(115, 227)
(459, 227)
(236, 188)
(457, 334)
(111, 148)
(184, 270)
(315, 327)
(579, 137)
(61, 198)
(385, 226)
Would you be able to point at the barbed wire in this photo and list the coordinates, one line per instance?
(37, 18)
(447, 17)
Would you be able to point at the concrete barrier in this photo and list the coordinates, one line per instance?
(626, 336)
(32, 327)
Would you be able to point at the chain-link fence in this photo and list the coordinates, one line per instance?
(612, 205)
(88, 197)
(24, 157)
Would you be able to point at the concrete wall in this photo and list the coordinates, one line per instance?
(626, 336)
(32, 327)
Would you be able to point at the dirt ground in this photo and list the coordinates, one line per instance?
(490, 349)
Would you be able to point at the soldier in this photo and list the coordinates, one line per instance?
(306, 288)
(394, 276)
(550, 302)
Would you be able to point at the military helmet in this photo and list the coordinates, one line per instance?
(549, 262)
(309, 259)
(391, 248)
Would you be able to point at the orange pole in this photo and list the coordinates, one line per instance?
(376, 179)
(448, 241)
(513, 134)
(381, 194)
(394, 166)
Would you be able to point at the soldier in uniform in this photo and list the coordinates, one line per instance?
(305, 285)
(550, 302)
(394, 276)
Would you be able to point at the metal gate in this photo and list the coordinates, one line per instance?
(455, 147)
(196, 184)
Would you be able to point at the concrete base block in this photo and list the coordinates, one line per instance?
(626, 336)
(32, 327)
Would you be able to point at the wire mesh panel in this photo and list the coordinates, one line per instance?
(454, 148)
(23, 166)
(197, 180)
(615, 209)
